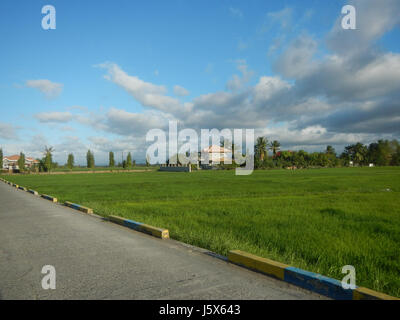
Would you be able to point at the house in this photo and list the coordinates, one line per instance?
(216, 155)
(11, 162)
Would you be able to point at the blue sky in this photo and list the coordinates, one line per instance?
(102, 78)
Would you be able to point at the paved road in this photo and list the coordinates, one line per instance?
(95, 259)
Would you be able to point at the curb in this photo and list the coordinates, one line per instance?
(311, 281)
(45, 196)
(33, 192)
(22, 188)
(138, 226)
(78, 207)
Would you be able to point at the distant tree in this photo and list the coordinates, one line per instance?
(1, 158)
(395, 147)
(356, 153)
(70, 161)
(90, 159)
(261, 148)
(48, 159)
(380, 153)
(21, 162)
(274, 146)
(147, 160)
(330, 150)
(124, 165)
(129, 160)
(133, 163)
(111, 162)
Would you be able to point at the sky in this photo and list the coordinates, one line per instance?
(113, 70)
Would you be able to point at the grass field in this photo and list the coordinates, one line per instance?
(317, 219)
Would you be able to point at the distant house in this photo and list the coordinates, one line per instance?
(216, 155)
(11, 162)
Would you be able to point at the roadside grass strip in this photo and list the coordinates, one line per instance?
(47, 197)
(141, 227)
(314, 282)
(78, 207)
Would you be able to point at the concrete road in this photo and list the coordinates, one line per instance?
(96, 259)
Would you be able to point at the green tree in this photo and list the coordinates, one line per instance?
(90, 159)
(111, 162)
(330, 150)
(21, 162)
(48, 159)
(147, 160)
(395, 147)
(274, 146)
(70, 161)
(129, 160)
(380, 153)
(261, 148)
(356, 153)
(1, 158)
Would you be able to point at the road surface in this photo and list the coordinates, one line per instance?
(96, 259)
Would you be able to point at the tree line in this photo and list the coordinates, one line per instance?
(379, 153)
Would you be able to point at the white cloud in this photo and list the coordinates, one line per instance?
(7, 131)
(180, 91)
(48, 88)
(60, 117)
(148, 94)
(238, 82)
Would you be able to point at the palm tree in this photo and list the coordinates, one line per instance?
(274, 146)
(261, 148)
(48, 158)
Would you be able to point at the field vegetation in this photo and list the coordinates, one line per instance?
(316, 219)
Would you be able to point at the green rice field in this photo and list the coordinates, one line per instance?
(316, 219)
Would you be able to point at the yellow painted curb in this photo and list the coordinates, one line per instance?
(78, 207)
(117, 220)
(361, 293)
(45, 196)
(138, 226)
(157, 232)
(263, 265)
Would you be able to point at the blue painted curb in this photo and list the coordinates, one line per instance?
(315, 282)
(132, 224)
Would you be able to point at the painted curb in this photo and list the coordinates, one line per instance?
(138, 226)
(22, 188)
(315, 282)
(15, 185)
(361, 293)
(33, 192)
(45, 196)
(78, 207)
(311, 281)
(269, 267)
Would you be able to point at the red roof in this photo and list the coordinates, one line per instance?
(15, 157)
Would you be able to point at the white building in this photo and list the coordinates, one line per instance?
(216, 155)
(11, 162)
